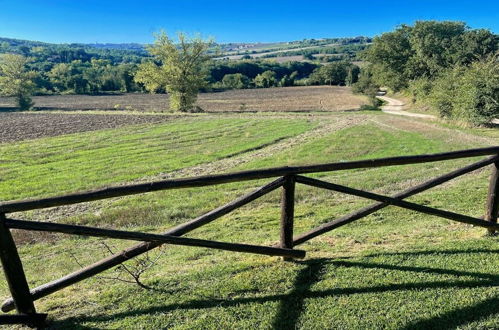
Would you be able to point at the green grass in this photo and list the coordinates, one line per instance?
(395, 269)
(81, 161)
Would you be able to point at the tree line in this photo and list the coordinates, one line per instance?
(443, 65)
(181, 68)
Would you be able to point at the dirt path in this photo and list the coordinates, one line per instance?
(394, 107)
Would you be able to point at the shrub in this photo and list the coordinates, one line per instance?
(235, 81)
(366, 85)
(420, 89)
(469, 94)
(265, 79)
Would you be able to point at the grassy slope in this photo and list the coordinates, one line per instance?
(82, 161)
(394, 269)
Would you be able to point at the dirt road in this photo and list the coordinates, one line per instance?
(394, 107)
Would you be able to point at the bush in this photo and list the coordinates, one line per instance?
(477, 100)
(420, 89)
(469, 94)
(265, 79)
(365, 85)
(235, 81)
(25, 102)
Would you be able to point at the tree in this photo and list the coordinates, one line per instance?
(468, 93)
(425, 50)
(69, 77)
(335, 73)
(265, 79)
(176, 68)
(389, 55)
(353, 72)
(288, 80)
(434, 45)
(235, 80)
(367, 86)
(16, 80)
(476, 45)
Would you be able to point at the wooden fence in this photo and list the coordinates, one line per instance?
(287, 177)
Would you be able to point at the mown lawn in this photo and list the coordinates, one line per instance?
(395, 269)
(76, 162)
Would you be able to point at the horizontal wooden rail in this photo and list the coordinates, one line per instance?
(25, 205)
(156, 238)
(171, 236)
(32, 320)
(141, 248)
(397, 202)
(365, 211)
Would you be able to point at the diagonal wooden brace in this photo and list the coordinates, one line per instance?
(397, 202)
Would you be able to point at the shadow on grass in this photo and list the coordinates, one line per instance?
(291, 305)
(432, 252)
(457, 317)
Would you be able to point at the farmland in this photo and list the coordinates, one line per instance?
(394, 269)
(290, 99)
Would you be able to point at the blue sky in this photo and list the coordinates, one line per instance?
(103, 21)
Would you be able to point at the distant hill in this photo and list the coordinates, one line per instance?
(225, 48)
(125, 46)
(16, 43)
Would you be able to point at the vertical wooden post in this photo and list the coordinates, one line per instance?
(287, 213)
(493, 197)
(14, 272)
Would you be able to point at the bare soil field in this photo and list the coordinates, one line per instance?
(17, 126)
(291, 99)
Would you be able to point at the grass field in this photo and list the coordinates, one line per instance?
(392, 270)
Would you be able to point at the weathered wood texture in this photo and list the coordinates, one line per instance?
(141, 248)
(15, 206)
(363, 212)
(134, 251)
(287, 212)
(158, 239)
(397, 202)
(13, 270)
(493, 198)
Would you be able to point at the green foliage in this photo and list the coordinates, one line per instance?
(341, 52)
(443, 63)
(336, 73)
(118, 63)
(265, 79)
(288, 80)
(420, 89)
(16, 80)
(309, 56)
(77, 68)
(235, 81)
(176, 68)
(389, 55)
(366, 85)
(425, 50)
(353, 72)
(218, 69)
(468, 93)
(434, 45)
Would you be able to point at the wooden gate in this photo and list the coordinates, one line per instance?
(287, 177)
